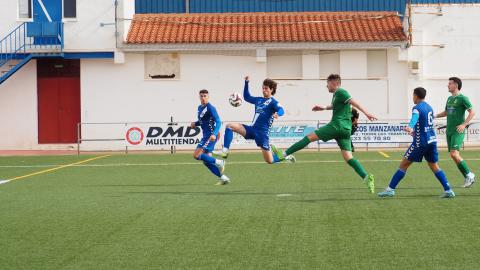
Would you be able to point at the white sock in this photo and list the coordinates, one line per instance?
(470, 175)
(225, 150)
(389, 189)
(218, 161)
(284, 153)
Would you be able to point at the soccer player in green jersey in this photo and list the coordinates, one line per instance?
(455, 109)
(339, 128)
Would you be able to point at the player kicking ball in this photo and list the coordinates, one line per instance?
(210, 123)
(424, 145)
(266, 109)
(455, 109)
(339, 128)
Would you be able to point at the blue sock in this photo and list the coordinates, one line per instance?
(206, 158)
(214, 169)
(228, 138)
(396, 178)
(443, 179)
(275, 158)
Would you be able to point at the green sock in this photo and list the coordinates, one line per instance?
(298, 146)
(463, 167)
(355, 164)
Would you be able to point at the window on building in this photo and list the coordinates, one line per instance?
(329, 63)
(24, 9)
(283, 64)
(162, 66)
(69, 9)
(377, 63)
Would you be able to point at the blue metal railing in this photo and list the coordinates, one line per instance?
(29, 40)
(32, 37)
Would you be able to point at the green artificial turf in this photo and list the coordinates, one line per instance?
(164, 212)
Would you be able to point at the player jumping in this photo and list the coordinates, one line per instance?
(424, 145)
(210, 123)
(266, 109)
(455, 109)
(339, 128)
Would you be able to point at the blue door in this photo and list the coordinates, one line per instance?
(47, 16)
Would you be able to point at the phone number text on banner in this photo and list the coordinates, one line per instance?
(381, 133)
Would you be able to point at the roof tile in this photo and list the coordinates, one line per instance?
(265, 27)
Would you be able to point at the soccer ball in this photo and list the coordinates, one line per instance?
(235, 99)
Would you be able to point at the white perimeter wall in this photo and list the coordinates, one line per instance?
(118, 92)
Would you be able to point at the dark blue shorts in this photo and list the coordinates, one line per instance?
(261, 139)
(416, 154)
(206, 144)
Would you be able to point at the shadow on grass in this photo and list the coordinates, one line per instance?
(233, 193)
(151, 185)
(375, 197)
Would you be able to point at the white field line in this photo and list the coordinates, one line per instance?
(200, 163)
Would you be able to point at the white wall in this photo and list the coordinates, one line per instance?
(119, 93)
(18, 109)
(458, 31)
(122, 94)
(85, 32)
(8, 16)
(81, 34)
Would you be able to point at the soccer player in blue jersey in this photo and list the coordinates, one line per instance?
(210, 123)
(424, 145)
(266, 109)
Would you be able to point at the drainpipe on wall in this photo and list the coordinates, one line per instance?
(410, 30)
(187, 6)
(117, 34)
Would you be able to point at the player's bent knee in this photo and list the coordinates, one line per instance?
(434, 167)
(196, 155)
(347, 155)
(312, 137)
(455, 155)
(234, 127)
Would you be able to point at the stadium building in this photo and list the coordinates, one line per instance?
(112, 63)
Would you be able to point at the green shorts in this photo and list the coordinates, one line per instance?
(455, 141)
(341, 135)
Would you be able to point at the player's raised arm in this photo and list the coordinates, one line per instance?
(355, 104)
(246, 92)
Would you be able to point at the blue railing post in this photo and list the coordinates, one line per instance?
(24, 38)
(63, 37)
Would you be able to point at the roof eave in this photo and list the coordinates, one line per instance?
(255, 45)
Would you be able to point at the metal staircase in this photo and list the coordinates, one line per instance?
(29, 40)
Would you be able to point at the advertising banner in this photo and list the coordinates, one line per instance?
(161, 136)
(158, 136)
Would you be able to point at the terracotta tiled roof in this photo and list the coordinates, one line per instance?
(265, 27)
